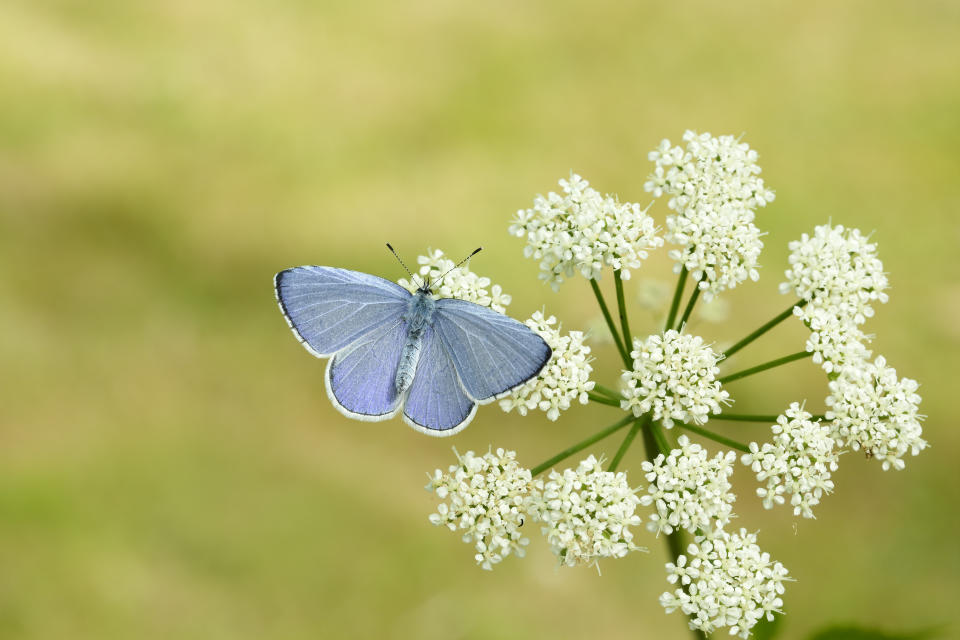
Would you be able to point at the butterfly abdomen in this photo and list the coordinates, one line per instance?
(419, 316)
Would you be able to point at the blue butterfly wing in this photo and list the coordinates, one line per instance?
(361, 379)
(491, 353)
(329, 309)
(437, 404)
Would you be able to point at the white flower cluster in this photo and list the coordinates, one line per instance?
(565, 378)
(582, 232)
(674, 376)
(459, 283)
(834, 341)
(838, 273)
(798, 462)
(486, 498)
(714, 188)
(688, 490)
(726, 582)
(874, 410)
(587, 513)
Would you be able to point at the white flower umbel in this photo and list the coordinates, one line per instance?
(582, 232)
(835, 341)
(587, 513)
(689, 490)
(486, 498)
(711, 171)
(459, 283)
(565, 378)
(874, 410)
(674, 376)
(797, 463)
(714, 188)
(725, 581)
(836, 269)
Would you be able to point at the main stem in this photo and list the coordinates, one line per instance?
(674, 540)
(689, 309)
(610, 325)
(786, 313)
(627, 441)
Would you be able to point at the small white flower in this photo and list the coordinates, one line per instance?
(674, 376)
(874, 410)
(725, 582)
(583, 232)
(486, 498)
(714, 188)
(565, 378)
(836, 269)
(798, 462)
(459, 283)
(688, 490)
(587, 513)
(835, 341)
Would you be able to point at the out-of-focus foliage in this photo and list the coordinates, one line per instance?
(169, 463)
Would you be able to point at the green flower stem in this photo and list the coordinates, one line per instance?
(627, 441)
(677, 294)
(613, 329)
(762, 330)
(607, 391)
(742, 417)
(689, 309)
(675, 541)
(733, 444)
(800, 355)
(661, 439)
(580, 446)
(622, 308)
(601, 399)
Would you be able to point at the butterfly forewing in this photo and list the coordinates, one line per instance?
(361, 378)
(492, 353)
(437, 404)
(329, 309)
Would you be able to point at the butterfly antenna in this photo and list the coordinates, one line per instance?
(458, 265)
(402, 264)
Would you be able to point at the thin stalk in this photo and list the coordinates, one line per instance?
(583, 444)
(716, 437)
(622, 308)
(742, 417)
(613, 329)
(677, 294)
(763, 329)
(607, 391)
(674, 541)
(627, 441)
(602, 399)
(689, 309)
(661, 439)
(800, 355)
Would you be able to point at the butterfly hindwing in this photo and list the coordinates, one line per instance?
(436, 403)
(491, 353)
(328, 309)
(361, 378)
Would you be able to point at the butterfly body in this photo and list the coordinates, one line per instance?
(419, 317)
(391, 351)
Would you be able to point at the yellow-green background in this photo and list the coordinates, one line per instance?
(170, 465)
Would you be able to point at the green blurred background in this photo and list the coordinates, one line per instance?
(170, 465)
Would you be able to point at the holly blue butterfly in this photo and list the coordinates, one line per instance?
(393, 351)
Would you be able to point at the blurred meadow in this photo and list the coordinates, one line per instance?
(170, 466)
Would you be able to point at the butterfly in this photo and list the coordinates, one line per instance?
(391, 350)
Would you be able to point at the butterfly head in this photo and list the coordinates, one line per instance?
(426, 284)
